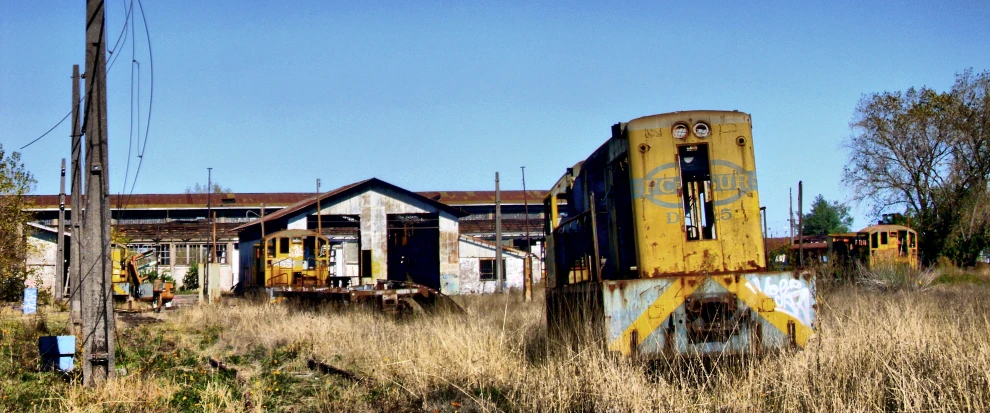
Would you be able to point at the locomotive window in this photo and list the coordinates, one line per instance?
(883, 238)
(911, 240)
(283, 245)
(271, 248)
(696, 189)
(874, 240)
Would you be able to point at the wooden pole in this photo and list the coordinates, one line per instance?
(528, 261)
(498, 238)
(75, 245)
(800, 224)
(204, 288)
(59, 290)
(97, 309)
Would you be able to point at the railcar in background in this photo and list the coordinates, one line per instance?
(299, 265)
(655, 242)
(881, 245)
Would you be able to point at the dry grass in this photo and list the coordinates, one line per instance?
(906, 350)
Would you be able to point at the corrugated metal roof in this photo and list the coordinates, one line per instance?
(345, 189)
(282, 199)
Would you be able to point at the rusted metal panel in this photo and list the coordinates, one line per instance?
(709, 314)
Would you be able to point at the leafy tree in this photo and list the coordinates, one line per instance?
(927, 153)
(202, 189)
(15, 182)
(827, 218)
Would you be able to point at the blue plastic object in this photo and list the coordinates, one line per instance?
(57, 352)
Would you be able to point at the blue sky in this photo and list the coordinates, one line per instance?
(441, 95)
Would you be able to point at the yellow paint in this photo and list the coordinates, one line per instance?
(117, 274)
(657, 313)
(292, 267)
(896, 251)
(663, 245)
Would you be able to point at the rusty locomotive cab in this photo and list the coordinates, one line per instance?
(660, 249)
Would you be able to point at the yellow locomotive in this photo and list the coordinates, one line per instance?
(655, 241)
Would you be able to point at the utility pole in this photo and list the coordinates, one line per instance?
(60, 245)
(97, 309)
(790, 216)
(319, 213)
(800, 224)
(766, 254)
(498, 237)
(205, 288)
(528, 261)
(75, 264)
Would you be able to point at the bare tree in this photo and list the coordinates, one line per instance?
(928, 154)
(202, 189)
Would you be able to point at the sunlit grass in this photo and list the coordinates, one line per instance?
(905, 349)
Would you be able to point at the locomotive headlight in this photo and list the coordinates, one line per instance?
(680, 131)
(702, 130)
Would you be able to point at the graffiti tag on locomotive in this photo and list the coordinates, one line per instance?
(655, 239)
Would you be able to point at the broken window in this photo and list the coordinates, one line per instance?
(283, 245)
(486, 269)
(696, 189)
(873, 239)
(883, 238)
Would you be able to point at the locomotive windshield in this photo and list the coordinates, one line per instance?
(696, 184)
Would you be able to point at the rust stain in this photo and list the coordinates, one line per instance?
(656, 271)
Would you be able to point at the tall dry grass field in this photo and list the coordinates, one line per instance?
(894, 351)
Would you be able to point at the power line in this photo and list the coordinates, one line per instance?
(49, 131)
(130, 127)
(122, 34)
(151, 100)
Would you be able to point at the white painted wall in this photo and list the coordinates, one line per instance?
(41, 259)
(471, 251)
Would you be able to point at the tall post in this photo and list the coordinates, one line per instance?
(75, 263)
(59, 289)
(213, 257)
(790, 213)
(498, 238)
(264, 247)
(766, 254)
(528, 261)
(97, 309)
(205, 288)
(319, 222)
(800, 224)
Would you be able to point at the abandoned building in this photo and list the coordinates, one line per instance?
(177, 227)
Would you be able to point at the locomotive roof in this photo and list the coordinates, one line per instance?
(886, 227)
(664, 120)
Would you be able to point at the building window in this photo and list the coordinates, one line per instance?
(486, 269)
(190, 254)
(161, 255)
(221, 253)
